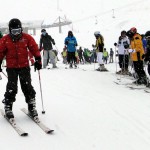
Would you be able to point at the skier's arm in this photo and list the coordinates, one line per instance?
(66, 41)
(2, 48)
(52, 40)
(76, 44)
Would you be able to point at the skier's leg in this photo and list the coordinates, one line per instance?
(28, 90)
(143, 74)
(52, 58)
(70, 59)
(11, 91)
(74, 58)
(100, 61)
(120, 64)
(45, 58)
(126, 64)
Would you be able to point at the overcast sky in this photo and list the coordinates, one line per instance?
(43, 9)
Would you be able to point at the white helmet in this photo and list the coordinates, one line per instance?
(97, 33)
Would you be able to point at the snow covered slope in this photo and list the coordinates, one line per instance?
(86, 109)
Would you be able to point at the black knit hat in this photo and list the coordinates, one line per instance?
(43, 30)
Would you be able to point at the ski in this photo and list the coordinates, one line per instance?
(38, 122)
(147, 91)
(14, 125)
(129, 85)
(102, 70)
(120, 83)
(117, 83)
(136, 87)
(84, 69)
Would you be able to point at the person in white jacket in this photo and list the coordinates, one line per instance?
(123, 45)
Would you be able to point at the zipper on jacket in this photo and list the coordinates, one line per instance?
(17, 54)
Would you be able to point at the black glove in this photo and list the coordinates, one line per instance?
(0, 65)
(115, 44)
(38, 63)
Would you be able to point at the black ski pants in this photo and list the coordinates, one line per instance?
(81, 58)
(71, 58)
(138, 67)
(123, 61)
(12, 85)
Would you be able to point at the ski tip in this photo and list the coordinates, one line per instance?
(50, 131)
(24, 134)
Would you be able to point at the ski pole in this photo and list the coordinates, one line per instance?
(43, 111)
(115, 58)
(145, 69)
(94, 66)
(116, 63)
(0, 77)
(4, 74)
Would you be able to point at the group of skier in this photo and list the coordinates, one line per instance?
(72, 55)
(134, 51)
(17, 45)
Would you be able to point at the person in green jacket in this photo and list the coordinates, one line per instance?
(105, 56)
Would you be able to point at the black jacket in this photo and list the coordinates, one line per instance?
(147, 54)
(46, 41)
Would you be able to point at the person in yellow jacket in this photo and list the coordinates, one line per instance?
(137, 53)
(64, 55)
(99, 50)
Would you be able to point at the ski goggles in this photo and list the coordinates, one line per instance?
(16, 31)
(44, 33)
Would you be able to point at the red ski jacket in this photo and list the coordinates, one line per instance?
(17, 52)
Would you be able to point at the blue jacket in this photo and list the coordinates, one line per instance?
(144, 41)
(71, 43)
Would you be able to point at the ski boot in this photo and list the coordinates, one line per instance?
(141, 81)
(144, 81)
(98, 69)
(102, 68)
(8, 111)
(70, 66)
(54, 66)
(75, 66)
(31, 108)
(120, 71)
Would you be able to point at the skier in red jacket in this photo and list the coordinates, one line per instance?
(15, 46)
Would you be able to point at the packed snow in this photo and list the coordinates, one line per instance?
(86, 109)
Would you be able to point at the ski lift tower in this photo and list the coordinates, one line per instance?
(59, 22)
(113, 15)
